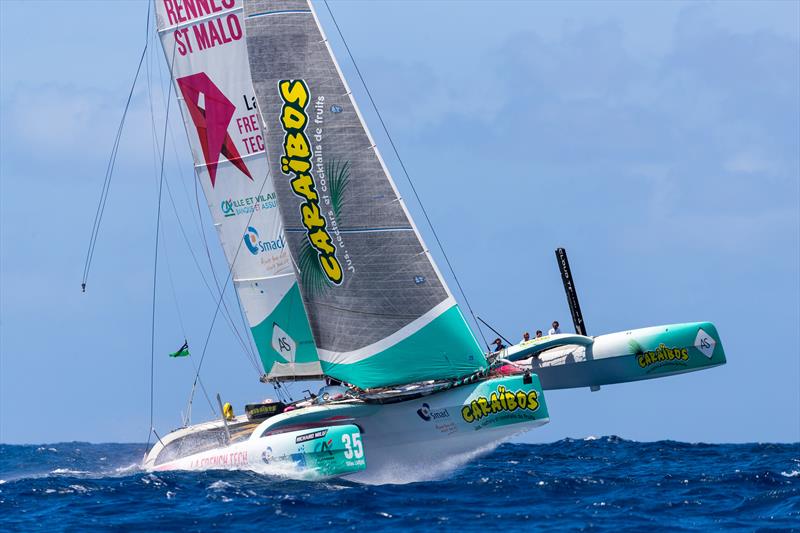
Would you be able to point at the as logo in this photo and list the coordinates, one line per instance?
(211, 112)
(283, 343)
(705, 343)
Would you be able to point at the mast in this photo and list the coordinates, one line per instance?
(204, 44)
(379, 309)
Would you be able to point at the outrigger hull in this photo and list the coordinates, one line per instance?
(634, 355)
(397, 442)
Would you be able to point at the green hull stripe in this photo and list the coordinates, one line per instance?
(445, 348)
(290, 316)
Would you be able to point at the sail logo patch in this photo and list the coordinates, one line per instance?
(283, 343)
(248, 204)
(211, 112)
(705, 343)
(296, 162)
(255, 245)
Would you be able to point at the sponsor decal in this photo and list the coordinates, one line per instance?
(255, 245)
(266, 455)
(247, 205)
(499, 401)
(427, 414)
(311, 436)
(447, 428)
(296, 162)
(211, 112)
(263, 410)
(214, 28)
(283, 343)
(661, 354)
(705, 343)
(223, 459)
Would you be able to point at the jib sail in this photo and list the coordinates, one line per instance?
(205, 45)
(379, 310)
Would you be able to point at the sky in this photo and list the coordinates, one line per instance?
(658, 142)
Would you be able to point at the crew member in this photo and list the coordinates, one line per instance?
(538, 334)
(498, 344)
(555, 330)
(227, 411)
(526, 337)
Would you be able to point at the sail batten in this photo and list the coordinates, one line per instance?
(214, 89)
(379, 309)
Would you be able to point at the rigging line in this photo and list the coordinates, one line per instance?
(226, 312)
(172, 285)
(250, 341)
(160, 159)
(197, 223)
(101, 206)
(211, 291)
(222, 292)
(405, 171)
(146, 41)
(155, 259)
(245, 345)
(202, 275)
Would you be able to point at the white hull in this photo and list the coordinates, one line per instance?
(402, 442)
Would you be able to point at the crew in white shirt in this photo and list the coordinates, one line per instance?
(555, 329)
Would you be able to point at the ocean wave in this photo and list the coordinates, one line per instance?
(603, 483)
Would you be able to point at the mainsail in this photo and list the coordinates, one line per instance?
(380, 312)
(204, 44)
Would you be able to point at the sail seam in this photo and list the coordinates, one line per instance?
(203, 165)
(279, 12)
(263, 278)
(354, 230)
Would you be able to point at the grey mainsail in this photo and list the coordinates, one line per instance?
(379, 310)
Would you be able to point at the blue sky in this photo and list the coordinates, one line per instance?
(657, 142)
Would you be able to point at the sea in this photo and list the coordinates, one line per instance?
(599, 484)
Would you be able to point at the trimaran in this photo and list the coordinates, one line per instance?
(335, 279)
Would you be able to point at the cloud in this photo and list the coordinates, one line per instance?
(47, 125)
(704, 133)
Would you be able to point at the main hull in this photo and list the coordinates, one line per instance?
(402, 442)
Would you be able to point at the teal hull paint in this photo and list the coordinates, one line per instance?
(290, 315)
(634, 355)
(445, 348)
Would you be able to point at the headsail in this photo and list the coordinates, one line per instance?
(204, 44)
(379, 309)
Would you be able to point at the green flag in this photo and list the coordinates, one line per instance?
(183, 351)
